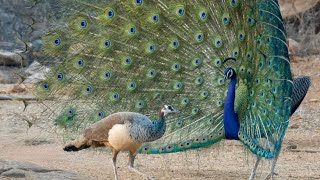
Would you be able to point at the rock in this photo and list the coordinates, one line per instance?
(8, 76)
(53, 175)
(296, 59)
(314, 100)
(34, 68)
(29, 171)
(36, 73)
(293, 7)
(14, 173)
(292, 146)
(295, 126)
(11, 59)
(18, 88)
(294, 47)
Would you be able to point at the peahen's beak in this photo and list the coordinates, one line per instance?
(175, 111)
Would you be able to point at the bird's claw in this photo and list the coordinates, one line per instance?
(149, 178)
(270, 176)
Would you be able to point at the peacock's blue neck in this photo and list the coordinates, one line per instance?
(230, 118)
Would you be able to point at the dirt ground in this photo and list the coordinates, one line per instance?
(299, 159)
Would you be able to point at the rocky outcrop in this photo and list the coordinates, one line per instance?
(29, 171)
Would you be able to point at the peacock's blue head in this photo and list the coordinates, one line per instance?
(229, 73)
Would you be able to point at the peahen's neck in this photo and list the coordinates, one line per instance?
(150, 130)
(230, 119)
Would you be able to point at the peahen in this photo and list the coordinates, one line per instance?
(223, 63)
(122, 131)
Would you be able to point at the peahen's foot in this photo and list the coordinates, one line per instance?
(271, 176)
(138, 172)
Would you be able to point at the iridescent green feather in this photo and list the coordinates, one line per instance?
(134, 55)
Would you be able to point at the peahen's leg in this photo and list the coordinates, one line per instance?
(254, 170)
(114, 163)
(132, 156)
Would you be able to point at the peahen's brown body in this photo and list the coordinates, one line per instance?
(122, 131)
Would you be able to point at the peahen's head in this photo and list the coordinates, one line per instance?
(168, 109)
(229, 73)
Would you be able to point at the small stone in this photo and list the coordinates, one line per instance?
(14, 173)
(10, 59)
(292, 146)
(36, 72)
(29, 171)
(18, 89)
(295, 126)
(294, 47)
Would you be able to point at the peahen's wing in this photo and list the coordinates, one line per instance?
(134, 55)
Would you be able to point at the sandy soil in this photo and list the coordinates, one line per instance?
(299, 159)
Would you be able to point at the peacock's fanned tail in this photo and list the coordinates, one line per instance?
(134, 55)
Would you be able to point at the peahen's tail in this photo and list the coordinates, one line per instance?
(78, 144)
(71, 147)
(82, 142)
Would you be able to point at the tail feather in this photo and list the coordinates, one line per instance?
(301, 85)
(78, 144)
(71, 147)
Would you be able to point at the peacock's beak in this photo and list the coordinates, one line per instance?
(225, 78)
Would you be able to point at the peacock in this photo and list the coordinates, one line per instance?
(122, 131)
(223, 63)
(301, 85)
